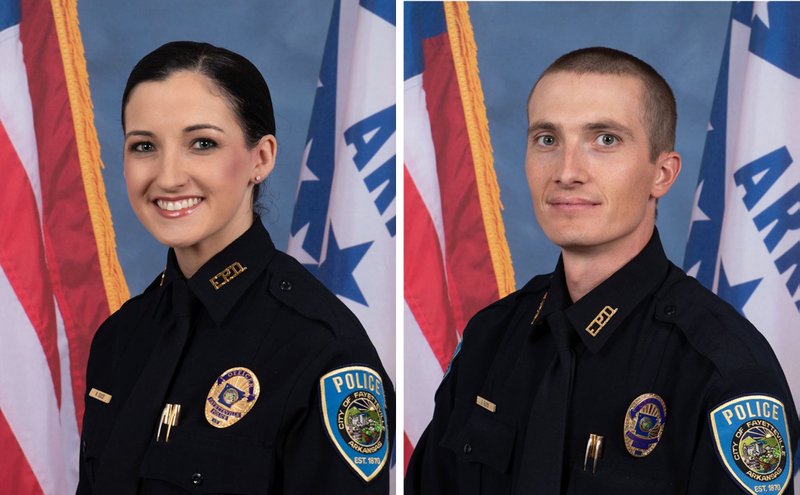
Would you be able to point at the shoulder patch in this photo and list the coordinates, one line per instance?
(354, 415)
(751, 434)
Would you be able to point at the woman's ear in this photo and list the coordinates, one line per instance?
(264, 152)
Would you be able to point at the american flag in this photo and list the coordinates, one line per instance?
(456, 256)
(60, 277)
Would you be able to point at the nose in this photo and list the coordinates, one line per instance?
(172, 173)
(571, 166)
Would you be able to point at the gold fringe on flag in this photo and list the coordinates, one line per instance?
(465, 58)
(65, 14)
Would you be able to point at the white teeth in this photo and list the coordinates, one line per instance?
(177, 205)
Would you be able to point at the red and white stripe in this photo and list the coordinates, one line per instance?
(52, 296)
(448, 268)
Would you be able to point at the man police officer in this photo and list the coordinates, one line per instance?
(617, 373)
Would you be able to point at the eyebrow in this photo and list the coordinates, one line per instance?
(186, 130)
(198, 127)
(138, 133)
(603, 125)
(542, 125)
(609, 125)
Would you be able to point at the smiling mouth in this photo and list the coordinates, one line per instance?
(182, 204)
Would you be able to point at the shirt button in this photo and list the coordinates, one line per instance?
(83, 446)
(286, 286)
(197, 479)
(467, 449)
(670, 310)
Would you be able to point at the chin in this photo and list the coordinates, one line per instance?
(175, 241)
(570, 236)
(571, 241)
(173, 237)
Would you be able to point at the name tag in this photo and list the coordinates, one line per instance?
(101, 396)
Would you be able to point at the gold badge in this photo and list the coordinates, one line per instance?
(232, 396)
(644, 424)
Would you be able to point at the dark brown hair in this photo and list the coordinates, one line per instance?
(235, 76)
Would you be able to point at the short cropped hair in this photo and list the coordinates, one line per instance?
(660, 115)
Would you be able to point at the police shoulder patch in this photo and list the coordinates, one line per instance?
(354, 414)
(751, 434)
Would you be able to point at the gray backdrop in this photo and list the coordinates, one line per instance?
(516, 40)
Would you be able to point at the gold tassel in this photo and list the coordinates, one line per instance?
(65, 14)
(465, 59)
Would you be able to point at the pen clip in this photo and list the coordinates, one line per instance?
(594, 450)
(169, 417)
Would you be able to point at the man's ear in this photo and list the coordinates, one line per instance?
(668, 167)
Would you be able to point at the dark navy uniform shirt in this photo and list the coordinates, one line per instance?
(249, 308)
(660, 333)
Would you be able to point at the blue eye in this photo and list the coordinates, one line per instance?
(546, 140)
(607, 139)
(204, 144)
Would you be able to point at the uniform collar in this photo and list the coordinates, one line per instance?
(599, 313)
(223, 279)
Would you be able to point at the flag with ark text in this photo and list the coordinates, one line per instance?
(343, 228)
(744, 240)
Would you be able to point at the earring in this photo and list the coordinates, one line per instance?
(258, 178)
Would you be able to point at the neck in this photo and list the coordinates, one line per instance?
(586, 268)
(191, 258)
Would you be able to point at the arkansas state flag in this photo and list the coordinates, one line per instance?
(343, 229)
(59, 275)
(744, 241)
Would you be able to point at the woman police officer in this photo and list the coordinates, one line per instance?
(235, 371)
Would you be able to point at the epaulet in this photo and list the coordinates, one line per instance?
(711, 325)
(483, 318)
(155, 284)
(118, 316)
(537, 284)
(293, 285)
(494, 316)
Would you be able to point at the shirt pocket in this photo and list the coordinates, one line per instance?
(621, 475)
(585, 482)
(483, 438)
(96, 426)
(88, 459)
(211, 462)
